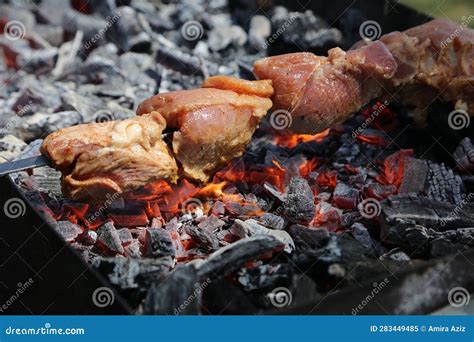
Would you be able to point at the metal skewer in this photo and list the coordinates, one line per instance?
(22, 164)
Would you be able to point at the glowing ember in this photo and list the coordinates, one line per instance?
(292, 140)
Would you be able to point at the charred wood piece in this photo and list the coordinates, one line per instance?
(233, 256)
(108, 238)
(158, 243)
(299, 204)
(464, 156)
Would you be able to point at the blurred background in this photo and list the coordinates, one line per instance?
(452, 9)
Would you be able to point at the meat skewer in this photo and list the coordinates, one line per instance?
(415, 67)
(215, 123)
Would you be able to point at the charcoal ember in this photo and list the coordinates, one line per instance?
(39, 125)
(218, 208)
(299, 204)
(178, 61)
(86, 106)
(272, 221)
(133, 250)
(133, 38)
(411, 237)
(125, 236)
(233, 256)
(179, 293)
(211, 223)
(10, 147)
(252, 227)
(38, 61)
(443, 184)
(129, 217)
(415, 176)
(428, 213)
(108, 238)
(328, 216)
(452, 242)
(54, 35)
(380, 191)
(37, 96)
(345, 196)
(128, 273)
(317, 245)
(308, 239)
(265, 277)
(158, 243)
(259, 31)
(68, 230)
(464, 156)
(221, 38)
(97, 70)
(205, 239)
(73, 21)
(362, 235)
(89, 237)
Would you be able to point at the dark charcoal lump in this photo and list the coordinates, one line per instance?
(265, 277)
(272, 221)
(299, 204)
(179, 293)
(158, 243)
(204, 239)
(108, 238)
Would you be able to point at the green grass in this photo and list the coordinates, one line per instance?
(454, 10)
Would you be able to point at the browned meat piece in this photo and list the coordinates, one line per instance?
(214, 123)
(320, 92)
(434, 60)
(101, 159)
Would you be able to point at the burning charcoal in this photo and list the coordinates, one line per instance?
(415, 176)
(233, 256)
(176, 294)
(178, 61)
(299, 204)
(108, 238)
(218, 208)
(10, 147)
(127, 273)
(308, 239)
(205, 239)
(90, 237)
(158, 243)
(444, 184)
(251, 227)
(272, 221)
(427, 213)
(464, 156)
(69, 231)
(362, 235)
(344, 196)
(125, 236)
(133, 250)
(211, 223)
(39, 125)
(129, 217)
